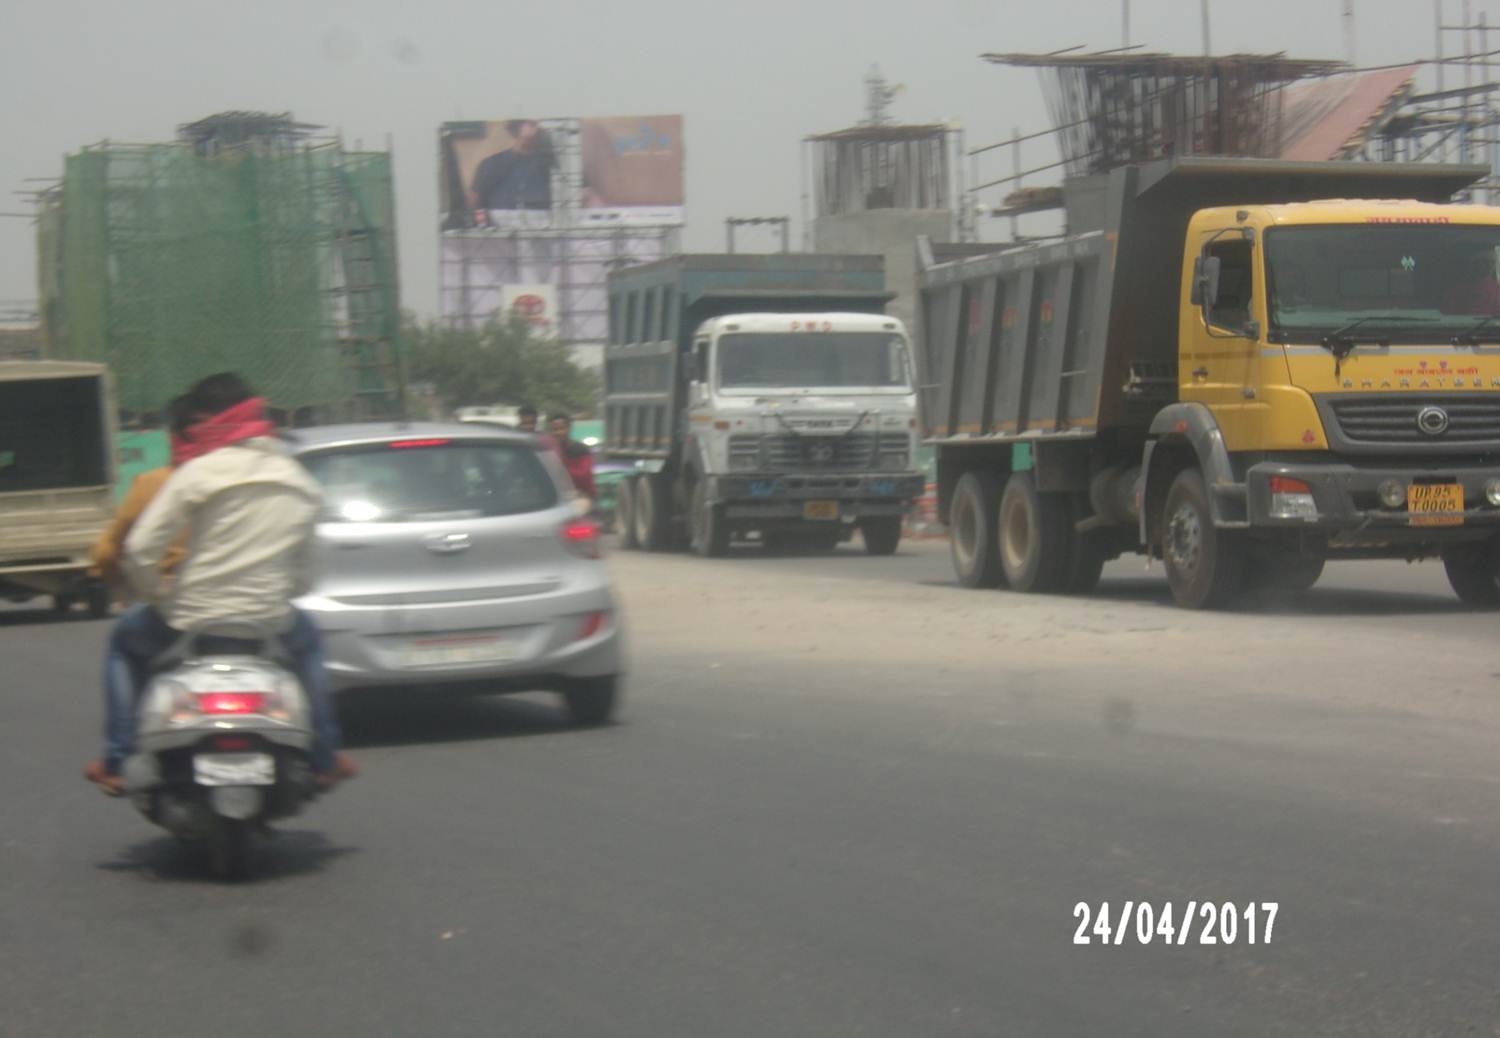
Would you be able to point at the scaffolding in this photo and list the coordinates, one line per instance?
(1457, 119)
(249, 244)
(1114, 108)
(479, 265)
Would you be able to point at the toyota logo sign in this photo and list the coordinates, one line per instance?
(1432, 421)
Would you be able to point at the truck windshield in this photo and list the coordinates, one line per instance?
(1407, 282)
(841, 360)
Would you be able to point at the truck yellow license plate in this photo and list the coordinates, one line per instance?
(820, 510)
(1435, 504)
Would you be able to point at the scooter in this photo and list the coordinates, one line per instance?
(223, 742)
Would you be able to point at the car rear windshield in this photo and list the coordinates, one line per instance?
(416, 480)
(52, 434)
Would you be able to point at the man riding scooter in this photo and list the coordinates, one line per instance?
(248, 510)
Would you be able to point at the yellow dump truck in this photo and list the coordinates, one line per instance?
(56, 479)
(1246, 368)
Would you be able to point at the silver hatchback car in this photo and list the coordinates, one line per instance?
(454, 556)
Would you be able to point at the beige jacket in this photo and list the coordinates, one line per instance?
(249, 511)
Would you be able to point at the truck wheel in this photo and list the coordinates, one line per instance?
(1034, 535)
(972, 519)
(708, 530)
(882, 534)
(1474, 573)
(625, 513)
(1086, 556)
(650, 518)
(1205, 565)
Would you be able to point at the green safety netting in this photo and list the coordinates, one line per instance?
(169, 265)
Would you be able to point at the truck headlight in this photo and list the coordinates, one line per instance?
(1292, 499)
(1393, 493)
(1492, 492)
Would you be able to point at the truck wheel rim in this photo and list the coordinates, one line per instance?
(1185, 539)
(1015, 536)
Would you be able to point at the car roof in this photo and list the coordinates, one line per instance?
(320, 436)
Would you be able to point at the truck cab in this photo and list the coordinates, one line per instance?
(1348, 353)
(798, 419)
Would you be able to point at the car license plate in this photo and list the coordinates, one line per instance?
(460, 650)
(1435, 504)
(820, 510)
(234, 769)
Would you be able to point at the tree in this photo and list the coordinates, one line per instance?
(502, 363)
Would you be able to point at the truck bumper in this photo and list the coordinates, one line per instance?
(783, 496)
(1350, 510)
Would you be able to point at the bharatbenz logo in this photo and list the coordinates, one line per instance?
(1432, 421)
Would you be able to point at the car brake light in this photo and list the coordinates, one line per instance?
(592, 625)
(403, 444)
(582, 537)
(233, 702)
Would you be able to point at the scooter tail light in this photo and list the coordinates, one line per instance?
(234, 703)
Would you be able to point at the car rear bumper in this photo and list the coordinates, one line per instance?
(543, 637)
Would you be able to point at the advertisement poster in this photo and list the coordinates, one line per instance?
(526, 173)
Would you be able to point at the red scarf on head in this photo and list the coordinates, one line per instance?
(243, 421)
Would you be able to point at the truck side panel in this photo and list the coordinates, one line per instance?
(1016, 341)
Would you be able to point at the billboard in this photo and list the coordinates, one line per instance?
(520, 174)
(484, 272)
(534, 304)
(542, 210)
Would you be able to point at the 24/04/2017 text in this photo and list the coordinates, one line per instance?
(1221, 923)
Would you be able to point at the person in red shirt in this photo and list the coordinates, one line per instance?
(1478, 294)
(576, 457)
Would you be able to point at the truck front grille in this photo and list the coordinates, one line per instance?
(1394, 421)
(849, 453)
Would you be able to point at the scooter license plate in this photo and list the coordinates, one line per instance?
(234, 769)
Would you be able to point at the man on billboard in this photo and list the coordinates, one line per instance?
(520, 177)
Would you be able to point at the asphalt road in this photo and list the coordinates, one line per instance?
(845, 798)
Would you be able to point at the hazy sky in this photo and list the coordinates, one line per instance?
(751, 78)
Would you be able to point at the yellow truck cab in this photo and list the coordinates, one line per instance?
(57, 465)
(1246, 368)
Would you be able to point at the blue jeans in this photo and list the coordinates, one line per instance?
(141, 635)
